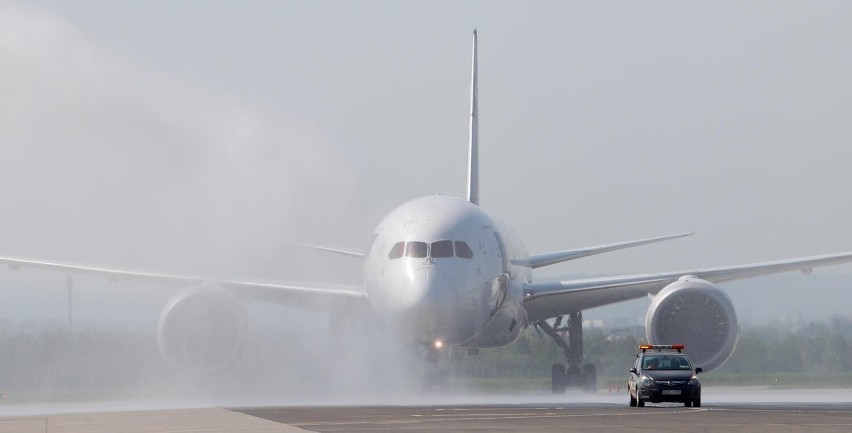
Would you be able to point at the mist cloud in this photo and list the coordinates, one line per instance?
(106, 159)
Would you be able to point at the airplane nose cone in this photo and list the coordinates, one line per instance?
(431, 291)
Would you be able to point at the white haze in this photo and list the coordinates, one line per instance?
(106, 161)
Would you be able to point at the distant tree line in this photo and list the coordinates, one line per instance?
(54, 363)
(86, 361)
(775, 348)
(815, 347)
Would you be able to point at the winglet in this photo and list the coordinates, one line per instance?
(473, 143)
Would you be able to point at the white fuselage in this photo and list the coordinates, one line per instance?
(441, 270)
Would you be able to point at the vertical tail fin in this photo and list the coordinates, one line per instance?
(473, 144)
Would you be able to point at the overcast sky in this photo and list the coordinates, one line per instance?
(179, 134)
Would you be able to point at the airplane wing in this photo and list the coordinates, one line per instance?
(295, 295)
(547, 259)
(349, 252)
(546, 300)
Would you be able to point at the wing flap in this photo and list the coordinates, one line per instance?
(546, 300)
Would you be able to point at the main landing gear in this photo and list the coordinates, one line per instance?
(576, 371)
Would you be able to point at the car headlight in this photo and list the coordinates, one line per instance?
(693, 380)
(646, 380)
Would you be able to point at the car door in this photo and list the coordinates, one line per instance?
(634, 377)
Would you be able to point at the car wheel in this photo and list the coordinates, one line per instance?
(696, 402)
(687, 404)
(640, 402)
(632, 400)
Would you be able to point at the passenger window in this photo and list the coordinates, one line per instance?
(442, 249)
(463, 250)
(415, 249)
(396, 250)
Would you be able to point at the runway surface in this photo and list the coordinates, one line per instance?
(725, 410)
(209, 420)
(810, 418)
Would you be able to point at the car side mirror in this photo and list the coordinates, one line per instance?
(633, 370)
(698, 370)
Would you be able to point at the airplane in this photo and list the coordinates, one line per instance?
(445, 274)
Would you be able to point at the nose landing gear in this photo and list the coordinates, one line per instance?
(435, 379)
(576, 371)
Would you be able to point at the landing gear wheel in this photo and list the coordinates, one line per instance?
(558, 379)
(568, 335)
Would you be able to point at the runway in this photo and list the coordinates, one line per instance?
(725, 410)
(812, 418)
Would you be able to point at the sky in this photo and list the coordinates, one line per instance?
(199, 136)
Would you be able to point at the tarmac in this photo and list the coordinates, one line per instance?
(623, 419)
(724, 410)
(209, 420)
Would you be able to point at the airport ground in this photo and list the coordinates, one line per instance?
(567, 418)
(729, 410)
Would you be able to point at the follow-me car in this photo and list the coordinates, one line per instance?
(663, 373)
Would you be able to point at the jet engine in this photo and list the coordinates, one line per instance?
(203, 330)
(698, 314)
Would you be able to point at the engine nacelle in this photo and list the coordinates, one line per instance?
(698, 314)
(203, 330)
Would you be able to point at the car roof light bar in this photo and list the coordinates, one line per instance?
(678, 347)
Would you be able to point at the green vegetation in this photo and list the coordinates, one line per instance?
(62, 365)
(87, 365)
(812, 355)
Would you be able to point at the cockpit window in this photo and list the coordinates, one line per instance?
(415, 249)
(442, 249)
(463, 250)
(396, 251)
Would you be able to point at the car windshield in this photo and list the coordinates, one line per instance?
(666, 362)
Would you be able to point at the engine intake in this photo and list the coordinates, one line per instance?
(698, 314)
(203, 330)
